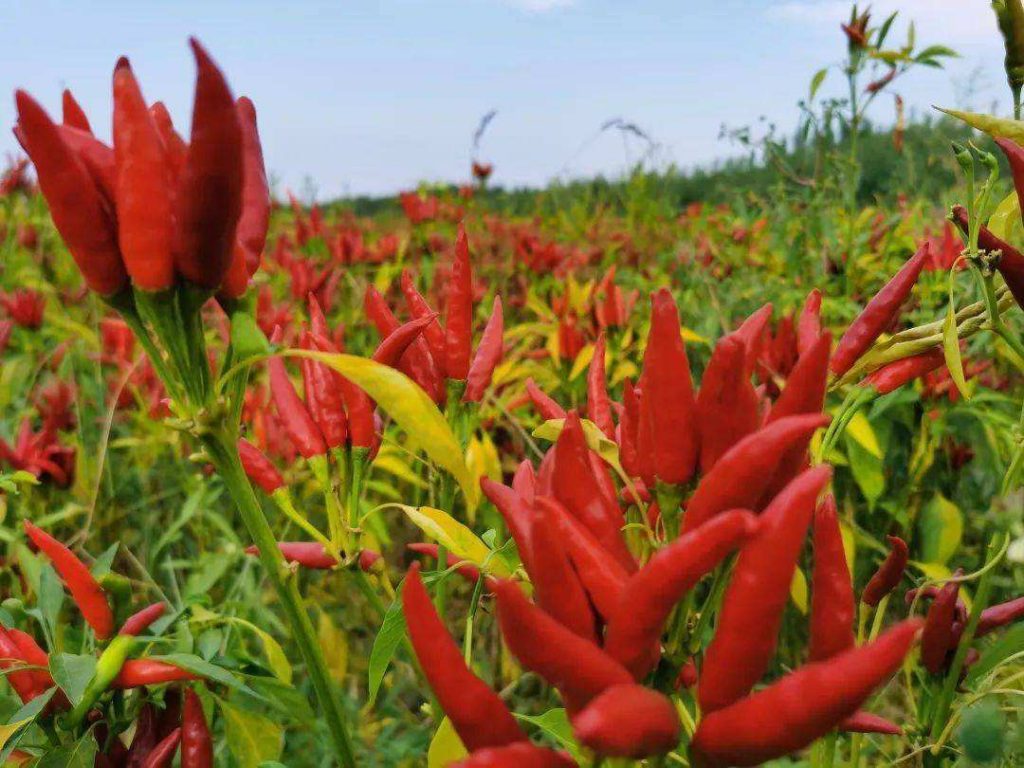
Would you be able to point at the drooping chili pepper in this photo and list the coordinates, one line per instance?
(879, 313)
(136, 673)
(308, 554)
(808, 327)
(802, 706)
(295, 417)
(575, 666)
(930, 592)
(667, 438)
(996, 616)
(464, 568)
(651, 594)
(85, 590)
(599, 407)
(740, 477)
(209, 195)
(1011, 260)
(72, 112)
(418, 307)
(628, 721)
(163, 753)
(196, 742)
(866, 722)
(545, 405)
(516, 512)
(832, 601)
(751, 332)
(479, 717)
(488, 354)
(458, 313)
(727, 403)
(258, 468)
(391, 348)
(757, 593)
(76, 205)
(888, 574)
(520, 755)
(145, 197)
(140, 621)
(937, 637)
(891, 377)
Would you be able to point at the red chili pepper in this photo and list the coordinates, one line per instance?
(31, 653)
(801, 707)
(1011, 260)
(599, 406)
(752, 332)
(808, 328)
(100, 163)
(295, 417)
(464, 568)
(196, 742)
(254, 219)
(163, 753)
(545, 405)
(879, 313)
(258, 468)
(996, 616)
(629, 426)
(175, 148)
(832, 600)
(73, 114)
(517, 514)
(628, 721)
(1015, 158)
(78, 209)
(362, 432)
(418, 307)
(416, 363)
(651, 594)
(458, 317)
(479, 717)
(324, 398)
(578, 668)
(757, 594)
(739, 479)
(145, 200)
(137, 673)
(140, 621)
(866, 722)
(891, 377)
(85, 590)
(524, 481)
(667, 437)
(391, 348)
(488, 355)
(937, 637)
(728, 408)
(888, 574)
(308, 554)
(520, 755)
(23, 682)
(209, 194)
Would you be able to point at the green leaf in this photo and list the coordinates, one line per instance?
(392, 630)
(941, 528)
(252, 739)
(816, 81)
(446, 747)
(203, 668)
(276, 658)
(867, 470)
(555, 724)
(72, 673)
(81, 754)
(996, 127)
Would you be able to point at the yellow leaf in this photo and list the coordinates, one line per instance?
(276, 658)
(446, 747)
(455, 537)
(997, 127)
(334, 643)
(798, 590)
(252, 739)
(951, 350)
(552, 345)
(860, 430)
(625, 370)
(1005, 221)
(582, 361)
(692, 336)
(9, 729)
(395, 464)
(597, 441)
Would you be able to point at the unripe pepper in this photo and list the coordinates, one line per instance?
(196, 741)
(599, 407)
(888, 574)
(488, 354)
(832, 601)
(727, 404)
(628, 721)
(458, 319)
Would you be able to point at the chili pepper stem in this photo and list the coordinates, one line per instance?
(670, 496)
(284, 503)
(336, 525)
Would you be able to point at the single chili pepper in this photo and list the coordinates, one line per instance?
(524, 481)
(757, 593)
(31, 653)
(996, 616)
(308, 554)
(888, 574)
(647, 599)
(258, 468)
(520, 755)
(163, 753)
(254, 219)
(575, 666)
(930, 593)
(866, 722)
(545, 405)
(891, 377)
(937, 637)
(629, 426)
(458, 313)
(362, 431)
(85, 590)
(418, 307)
(808, 327)
(516, 512)
(196, 742)
(802, 706)
(324, 398)
(73, 114)
(740, 477)
(368, 559)
(599, 406)
(752, 332)
(209, 194)
(488, 354)
(464, 568)
(140, 621)
(391, 349)
(23, 682)
(879, 313)
(295, 417)
(136, 673)
(479, 717)
(108, 666)
(175, 148)
(318, 321)
(416, 363)
(667, 438)
(100, 163)
(1011, 260)
(78, 209)
(728, 408)
(145, 201)
(832, 600)
(687, 677)
(628, 721)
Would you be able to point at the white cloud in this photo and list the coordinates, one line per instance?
(541, 6)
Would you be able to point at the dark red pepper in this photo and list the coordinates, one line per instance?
(888, 574)
(196, 741)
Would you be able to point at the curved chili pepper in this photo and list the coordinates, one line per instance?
(258, 468)
(458, 312)
(418, 307)
(937, 637)
(545, 405)
(832, 600)
(76, 205)
(324, 398)
(85, 590)
(32, 653)
(140, 621)
(808, 327)
(802, 706)
(888, 574)
(757, 594)
(72, 113)
(295, 417)
(254, 219)
(488, 354)
(667, 438)
(996, 616)
(391, 349)
(23, 682)
(479, 717)
(308, 554)
(520, 755)
(464, 568)
(136, 673)
(866, 722)
(891, 377)
(1011, 260)
(517, 514)
(879, 313)
(599, 406)
(196, 742)
(145, 203)
(752, 332)
(416, 363)
(557, 588)
(163, 753)
(628, 721)
(930, 593)
(209, 194)
(741, 476)
(575, 666)
(651, 594)
(727, 403)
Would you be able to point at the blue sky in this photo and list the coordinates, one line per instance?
(372, 97)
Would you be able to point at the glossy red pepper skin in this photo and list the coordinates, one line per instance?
(72, 113)
(1011, 261)
(667, 438)
(324, 398)
(140, 621)
(938, 636)
(545, 405)
(308, 554)
(163, 752)
(866, 722)
(728, 408)
(599, 406)
(808, 327)
(23, 682)
(628, 721)
(362, 432)
(757, 593)
(391, 348)
(996, 616)
(98, 160)
(79, 211)
(458, 318)
(33, 654)
(888, 574)
(254, 219)
(258, 468)
(832, 601)
(891, 377)
(879, 313)
(520, 755)
(418, 307)
(518, 516)
(644, 604)
(137, 673)
(802, 706)
(295, 417)
(85, 590)
(196, 741)
(752, 332)
(740, 478)
(479, 717)
(488, 354)
(208, 199)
